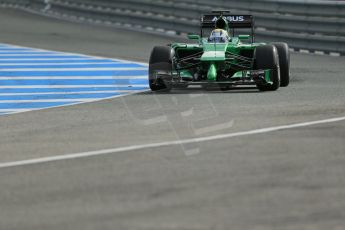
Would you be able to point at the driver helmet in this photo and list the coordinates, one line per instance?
(219, 35)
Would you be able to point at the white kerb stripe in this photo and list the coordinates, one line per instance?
(47, 53)
(74, 78)
(67, 93)
(45, 59)
(20, 52)
(60, 63)
(163, 144)
(19, 101)
(73, 69)
(68, 86)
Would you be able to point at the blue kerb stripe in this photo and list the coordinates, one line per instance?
(41, 56)
(73, 73)
(14, 49)
(33, 105)
(59, 96)
(74, 82)
(109, 65)
(63, 90)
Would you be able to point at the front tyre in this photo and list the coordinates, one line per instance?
(284, 62)
(160, 61)
(266, 57)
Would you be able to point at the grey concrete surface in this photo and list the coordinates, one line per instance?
(53, 34)
(291, 179)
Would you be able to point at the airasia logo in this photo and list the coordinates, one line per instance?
(231, 18)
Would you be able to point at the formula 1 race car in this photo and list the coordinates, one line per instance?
(220, 58)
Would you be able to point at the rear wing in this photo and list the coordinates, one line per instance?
(234, 21)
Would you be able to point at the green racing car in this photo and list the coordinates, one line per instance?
(220, 58)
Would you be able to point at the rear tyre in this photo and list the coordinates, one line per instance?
(284, 62)
(160, 60)
(266, 57)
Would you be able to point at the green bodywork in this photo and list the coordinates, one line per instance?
(225, 60)
(216, 57)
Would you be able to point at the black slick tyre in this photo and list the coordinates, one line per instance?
(284, 62)
(266, 57)
(160, 60)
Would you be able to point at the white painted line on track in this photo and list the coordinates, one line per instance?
(11, 110)
(164, 144)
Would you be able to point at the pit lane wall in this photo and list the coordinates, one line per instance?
(314, 26)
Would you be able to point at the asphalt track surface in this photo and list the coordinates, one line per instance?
(287, 179)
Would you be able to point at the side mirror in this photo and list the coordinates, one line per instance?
(243, 37)
(193, 36)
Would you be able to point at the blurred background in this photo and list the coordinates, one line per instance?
(310, 26)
